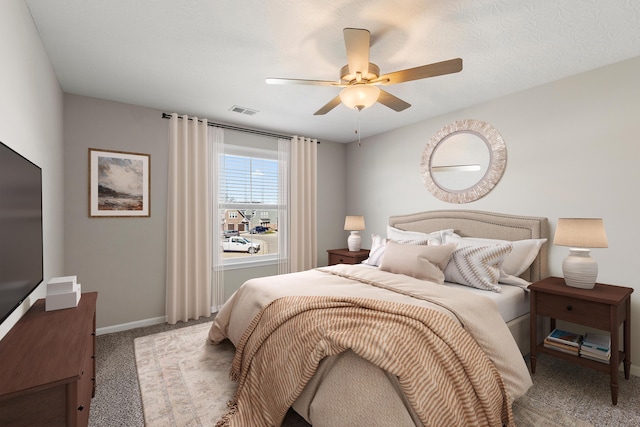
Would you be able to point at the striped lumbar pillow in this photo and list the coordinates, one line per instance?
(477, 266)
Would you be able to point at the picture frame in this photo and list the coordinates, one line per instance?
(119, 184)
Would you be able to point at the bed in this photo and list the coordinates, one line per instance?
(376, 375)
(514, 305)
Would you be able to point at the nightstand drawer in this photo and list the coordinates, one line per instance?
(588, 313)
(340, 259)
(345, 256)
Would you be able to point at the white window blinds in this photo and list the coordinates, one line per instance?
(248, 181)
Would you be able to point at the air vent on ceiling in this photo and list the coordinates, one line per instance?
(243, 110)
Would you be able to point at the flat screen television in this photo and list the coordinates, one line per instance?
(21, 244)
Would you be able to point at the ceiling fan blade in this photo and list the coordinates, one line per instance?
(392, 101)
(277, 81)
(357, 41)
(431, 70)
(328, 106)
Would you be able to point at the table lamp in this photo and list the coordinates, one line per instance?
(580, 234)
(354, 223)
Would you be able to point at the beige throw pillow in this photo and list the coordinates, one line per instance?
(419, 261)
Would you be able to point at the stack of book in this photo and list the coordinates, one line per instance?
(567, 342)
(596, 347)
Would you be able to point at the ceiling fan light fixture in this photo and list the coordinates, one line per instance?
(359, 96)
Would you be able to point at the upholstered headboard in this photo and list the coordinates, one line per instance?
(469, 223)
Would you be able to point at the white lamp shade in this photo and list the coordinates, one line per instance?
(354, 222)
(578, 268)
(359, 96)
(580, 233)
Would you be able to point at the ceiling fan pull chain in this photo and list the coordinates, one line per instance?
(357, 130)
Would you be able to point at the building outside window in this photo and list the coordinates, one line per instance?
(248, 199)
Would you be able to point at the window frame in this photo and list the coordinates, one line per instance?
(255, 260)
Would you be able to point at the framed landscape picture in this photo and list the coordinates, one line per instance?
(119, 184)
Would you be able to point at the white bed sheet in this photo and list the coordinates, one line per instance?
(512, 302)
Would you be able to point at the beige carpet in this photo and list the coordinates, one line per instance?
(185, 382)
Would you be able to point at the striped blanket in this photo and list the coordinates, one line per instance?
(445, 375)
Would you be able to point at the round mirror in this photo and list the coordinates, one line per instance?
(463, 161)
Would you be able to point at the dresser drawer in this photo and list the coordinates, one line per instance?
(588, 313)
(85, 386)
(41, 408)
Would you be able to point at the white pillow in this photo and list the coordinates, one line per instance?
(522, 255)
(477, 266)
(378, 244)
(514, 281)
(520, 258)
(404, 236)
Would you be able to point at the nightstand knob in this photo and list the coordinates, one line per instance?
(569, 308)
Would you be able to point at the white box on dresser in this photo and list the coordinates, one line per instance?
(62, 300)
(61, 284)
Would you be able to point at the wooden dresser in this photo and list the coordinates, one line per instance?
(47, 366)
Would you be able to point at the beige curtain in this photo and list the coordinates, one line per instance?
(298, 251)
(189, 220)
(217, 284)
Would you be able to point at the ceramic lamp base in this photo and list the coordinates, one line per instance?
(354, 241)
(579, 269)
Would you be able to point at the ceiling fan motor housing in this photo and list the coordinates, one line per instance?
(348, 78)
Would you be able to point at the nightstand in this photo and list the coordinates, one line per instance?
(604, 307)
(345, 256)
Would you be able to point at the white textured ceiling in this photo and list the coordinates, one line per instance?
(201, 57)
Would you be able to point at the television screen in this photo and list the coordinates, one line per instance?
(21, 250)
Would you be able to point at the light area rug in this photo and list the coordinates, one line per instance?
(184, 381)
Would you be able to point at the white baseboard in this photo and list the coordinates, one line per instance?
(140, 323)
(131, 325)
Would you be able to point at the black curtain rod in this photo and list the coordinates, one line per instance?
(239, 129)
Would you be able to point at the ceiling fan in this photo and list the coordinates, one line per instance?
(361, 78)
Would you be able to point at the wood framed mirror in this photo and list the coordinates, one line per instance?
(463, 161)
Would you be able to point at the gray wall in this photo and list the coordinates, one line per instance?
(124, 258)
(573, 151)
(121, 258)
(31, 124)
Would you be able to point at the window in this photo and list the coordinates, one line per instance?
(248, 200)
